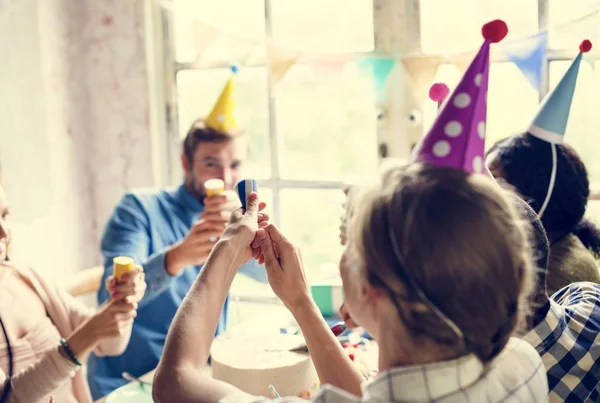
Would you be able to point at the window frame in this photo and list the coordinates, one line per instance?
(406, 39)
(172, 67)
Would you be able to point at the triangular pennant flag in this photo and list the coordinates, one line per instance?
(331, 64)
(204, 36)
(461, 60)
(379, 68)
(529, 55)
(421, 70)
(280, 60)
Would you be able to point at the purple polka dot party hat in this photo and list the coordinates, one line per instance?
(457, 138)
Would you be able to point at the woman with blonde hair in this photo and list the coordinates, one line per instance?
(50, 333)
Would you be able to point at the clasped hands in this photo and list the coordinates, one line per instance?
(251, 234)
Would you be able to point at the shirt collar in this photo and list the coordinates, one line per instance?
(188, 201)
(425, 382)
(547, 332)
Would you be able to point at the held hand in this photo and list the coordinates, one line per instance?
(112, 320)
(132, 284)
(284, 267)
(194, 249)
(218, 208)
(242, 227)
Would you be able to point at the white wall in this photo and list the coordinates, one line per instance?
(74, 123)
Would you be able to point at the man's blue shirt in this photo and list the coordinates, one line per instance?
(143, 226)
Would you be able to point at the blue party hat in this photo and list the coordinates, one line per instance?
(550, 123)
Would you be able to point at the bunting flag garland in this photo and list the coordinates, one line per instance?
(280, 61)
(529, 55)
(379, 68)
(204, 37)
(461, 60)
(422, 71)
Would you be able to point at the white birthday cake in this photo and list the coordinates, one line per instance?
(254, 362)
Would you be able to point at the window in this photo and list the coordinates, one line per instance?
(454, 26)
(317, 126)
(311, 131)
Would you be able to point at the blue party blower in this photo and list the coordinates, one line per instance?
(244, 188)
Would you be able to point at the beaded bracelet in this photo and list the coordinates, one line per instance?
(70, 352)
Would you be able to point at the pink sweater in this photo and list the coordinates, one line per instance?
(40, 370)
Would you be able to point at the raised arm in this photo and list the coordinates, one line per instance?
(124, 302)
(179, 376)
(286, 276)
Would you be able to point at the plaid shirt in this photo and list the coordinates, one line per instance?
(516, 375)
(568, 341)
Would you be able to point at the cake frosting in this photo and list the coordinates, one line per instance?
(252, 362)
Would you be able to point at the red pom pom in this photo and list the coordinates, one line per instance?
(585, 46)
(494, 31)
(438, 92)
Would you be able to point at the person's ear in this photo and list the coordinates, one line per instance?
(186, 164)
(371, 295)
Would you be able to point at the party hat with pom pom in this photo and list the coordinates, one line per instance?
(223, 115)
(457, 138)
(550, 123)
(438, 93)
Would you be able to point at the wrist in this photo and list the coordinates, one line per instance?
(229, 249)
(175, 259)
(301, 304)
(84, 339)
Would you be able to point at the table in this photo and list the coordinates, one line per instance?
(146, 378)
(278, 318)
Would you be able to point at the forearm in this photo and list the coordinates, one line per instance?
(40, 379)
(333, 365)
(83, 340)
(192, 331)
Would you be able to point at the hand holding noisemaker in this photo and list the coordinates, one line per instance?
(244, 188)
(214, 187)
(121, 266)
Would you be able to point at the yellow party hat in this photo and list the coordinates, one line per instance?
(222, 117)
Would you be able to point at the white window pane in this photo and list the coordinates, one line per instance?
(563, 12)
(593, 211)
(323, 26)
(241, 24)
(584, 120)
(266, 195)
(198, 90)
(311, 220)
(512, 102)
(454, 26)
(327, 123)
